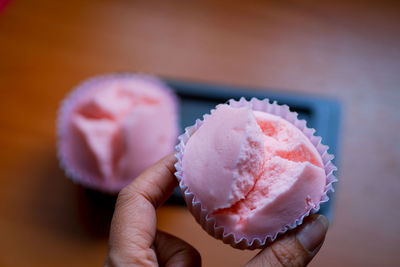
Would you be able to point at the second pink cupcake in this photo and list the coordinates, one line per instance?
(111, 128)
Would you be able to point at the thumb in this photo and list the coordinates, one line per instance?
(296, 248)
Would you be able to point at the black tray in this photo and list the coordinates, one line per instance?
(196, 99)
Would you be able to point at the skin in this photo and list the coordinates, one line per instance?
(135, 240)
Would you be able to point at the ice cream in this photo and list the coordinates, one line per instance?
(254, 172)
(112, 128)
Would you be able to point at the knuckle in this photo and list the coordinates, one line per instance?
(124, 195)
(129, 195)
(137, 191)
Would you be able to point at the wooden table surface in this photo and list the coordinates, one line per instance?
(348, 50)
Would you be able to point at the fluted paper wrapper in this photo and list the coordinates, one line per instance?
(69, 104)
(209, 223)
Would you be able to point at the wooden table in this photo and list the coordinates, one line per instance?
(343, 49)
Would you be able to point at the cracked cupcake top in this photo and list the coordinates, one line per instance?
(253, 171)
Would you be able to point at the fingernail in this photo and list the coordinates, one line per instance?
(313, 233)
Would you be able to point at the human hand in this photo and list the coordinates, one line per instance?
(135, 240)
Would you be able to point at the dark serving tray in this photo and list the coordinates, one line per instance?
(196, 99)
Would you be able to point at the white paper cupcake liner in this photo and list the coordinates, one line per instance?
(209, 224)
(68, 105)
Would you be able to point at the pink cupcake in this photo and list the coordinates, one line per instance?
(111, 128)
(251, 171)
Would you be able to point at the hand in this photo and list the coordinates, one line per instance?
(135, 241)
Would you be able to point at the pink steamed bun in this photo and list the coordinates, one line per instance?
(111, 128)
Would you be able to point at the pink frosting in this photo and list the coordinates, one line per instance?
(117, 129)
(253, 171)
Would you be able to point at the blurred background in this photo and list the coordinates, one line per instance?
(344, 50)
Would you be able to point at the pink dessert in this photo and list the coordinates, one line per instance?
(114, 127)
(254, 172)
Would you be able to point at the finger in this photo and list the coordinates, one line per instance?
(172, 251)
(133, 226)
(296, 248)
(155, 184)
